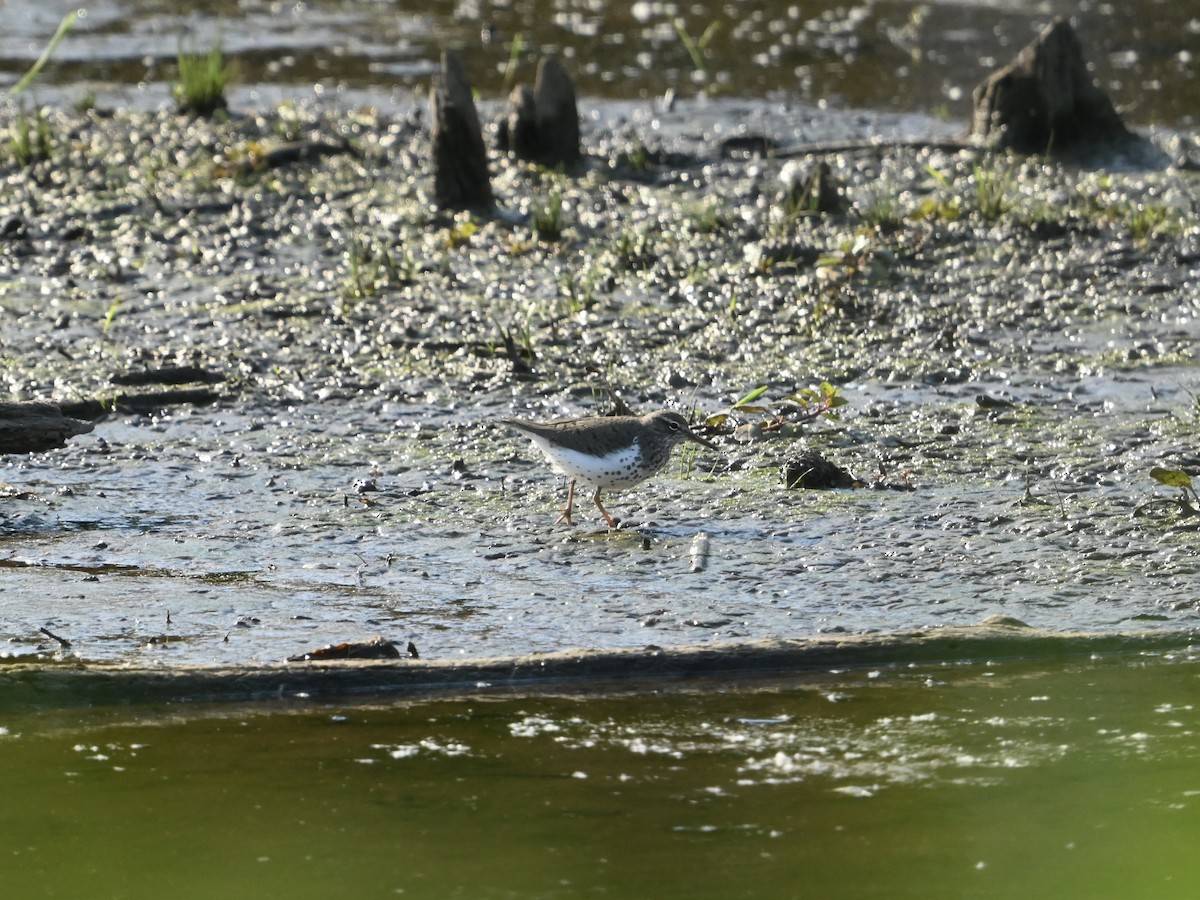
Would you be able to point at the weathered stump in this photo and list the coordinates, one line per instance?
(34, 427)
(520, 129)
(542, 125)
(557, 114)
(1045, 101)
(460, 176)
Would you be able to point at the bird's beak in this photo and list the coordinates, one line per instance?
(692, 436)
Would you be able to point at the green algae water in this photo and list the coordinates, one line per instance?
(903, 55)
(1003, 779)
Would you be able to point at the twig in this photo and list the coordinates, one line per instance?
(63, 642)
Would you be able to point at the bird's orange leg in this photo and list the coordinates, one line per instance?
(565, 515)
(612, 523)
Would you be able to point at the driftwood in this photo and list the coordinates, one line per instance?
(460, 169)
(144, 402)
(30, 683)
(543, 123)
(34, 427)
(1046, 101)
(167, 375)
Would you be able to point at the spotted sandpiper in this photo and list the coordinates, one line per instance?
(608, 451)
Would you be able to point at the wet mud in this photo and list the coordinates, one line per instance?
(1015, 339)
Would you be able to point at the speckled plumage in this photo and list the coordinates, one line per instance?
(608, 451)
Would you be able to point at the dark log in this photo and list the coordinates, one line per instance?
(34, 427)
(1046, 101)
(460, 169)
(167, 375)
(145, 403)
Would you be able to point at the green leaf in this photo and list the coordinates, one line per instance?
(938, 175)
(1172, 477)
(716, 421)
(28, 78)
(752, 396)
(804, 397)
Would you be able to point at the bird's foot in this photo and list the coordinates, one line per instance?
(612, 523)
(565, 512)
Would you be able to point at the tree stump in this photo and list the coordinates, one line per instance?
(460, 175)
(557, 114)
(34, 427)
(521, 129)
(1045, 101)
(543, 124)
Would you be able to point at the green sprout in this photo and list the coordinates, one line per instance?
(202, 81)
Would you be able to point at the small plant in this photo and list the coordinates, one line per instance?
(796, 408)
(706, 217)
(357, 284)
(636, 159)
(697, 48)
(30, 141)
(945, 209)
(578, 290)
(945, 205)
(883, 210)
(633, 249)
(857, 258)
(518, 348)
(370, 267)
(548, 219)
(1195, 398)
(800, 203)
(514, 57)
(1149, 220)
(27, 79)
(111, 315)
(202, 81)
(461, 231)
(287, 124)
(991, 192)
(1187, 501)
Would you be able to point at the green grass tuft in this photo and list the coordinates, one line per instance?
(30, 140)
(203, 78)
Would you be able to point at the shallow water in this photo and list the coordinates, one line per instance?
(901, 57)
(1001, 779)
(234, 537)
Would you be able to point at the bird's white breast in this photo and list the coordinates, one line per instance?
(617, 469)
